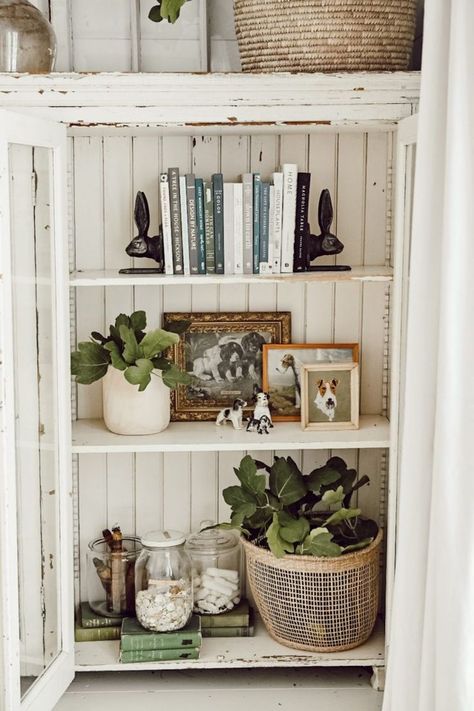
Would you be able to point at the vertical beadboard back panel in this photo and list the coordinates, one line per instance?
(147, 491)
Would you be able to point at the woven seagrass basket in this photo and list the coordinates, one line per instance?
(325, 35)
(316, 604)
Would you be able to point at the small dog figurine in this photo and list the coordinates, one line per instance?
(261, 420)
(261, 426)
(233, 414)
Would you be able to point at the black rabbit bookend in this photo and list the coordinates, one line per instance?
(324, 244)
(142, 245)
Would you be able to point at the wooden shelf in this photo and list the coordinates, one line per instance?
(113, 278)
(237, 653)
(91, 436)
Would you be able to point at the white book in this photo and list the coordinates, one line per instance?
(166, 222)
(184, 224)
(290, 178)
(228, 228)
(238, 229)
(247, 210)
(271, 231)
(278, 214)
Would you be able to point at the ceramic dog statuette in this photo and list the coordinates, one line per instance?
(234, 414)
(261, 420)
(142, 245)
(325, 244)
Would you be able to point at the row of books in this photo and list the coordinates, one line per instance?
(248, 227)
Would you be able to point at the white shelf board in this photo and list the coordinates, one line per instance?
(113, 278)
(237, 653)
(91, 436)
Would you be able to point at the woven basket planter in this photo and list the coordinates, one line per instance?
(316, 604)
(325, 35)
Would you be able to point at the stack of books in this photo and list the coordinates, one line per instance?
(238, 622)
(251, 227)
(140, 645)
(91, 627)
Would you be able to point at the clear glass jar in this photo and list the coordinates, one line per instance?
(163, 582)
(111, 577)
(217, 569)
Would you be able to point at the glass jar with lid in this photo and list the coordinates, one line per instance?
(217, 569)
(163, 582)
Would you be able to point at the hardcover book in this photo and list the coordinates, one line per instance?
(136, 638)
(229, 228)
(192, 224)
(218, 198)
(257, 190)
(89, 618)
(166, 223)
(175, 212)
(96, 634)
(158, 655)
(290, 175)
(238, 231)
(201, 227)
(264, 228)
(271, 228)
(239, 616)
(209, 227)
(184, 224)
(247, 183)
(229, 631)
(300, 250)
(277, 223)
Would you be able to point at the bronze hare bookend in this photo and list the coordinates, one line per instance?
(142, 245)
(325, 244)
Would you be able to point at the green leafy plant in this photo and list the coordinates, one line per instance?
(288, 512)
(129, 349)
(166, 10)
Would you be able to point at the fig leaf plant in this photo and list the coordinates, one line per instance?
(166, 10)
(287, 512)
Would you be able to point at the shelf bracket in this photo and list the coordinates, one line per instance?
(377, 680)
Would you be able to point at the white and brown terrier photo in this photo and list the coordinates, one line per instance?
(326, 399)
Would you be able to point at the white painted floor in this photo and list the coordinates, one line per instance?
(232, 690)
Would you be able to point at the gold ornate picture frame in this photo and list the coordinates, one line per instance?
(223, 353)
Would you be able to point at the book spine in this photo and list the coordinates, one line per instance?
(192, 224)
(96, 634)
(158, 655)
(88, 618)
(166, 222)
(219, 214)
(300, 248)
(209, 227)
(277, 224)
(264, 229)
(257, 192)
(201, 227)
(290, 174)
(271, 227)
(147, 642)
(238, 620)
(175, 210)
(228, 632)
(247, 180)
(238, 229)
(184, 224)
(229, 228)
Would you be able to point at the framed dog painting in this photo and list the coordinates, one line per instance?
(282, 372)
(223, 354)
(330, 396)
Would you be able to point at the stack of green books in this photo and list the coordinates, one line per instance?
(140, 645)
(238, 622)
(91, 627)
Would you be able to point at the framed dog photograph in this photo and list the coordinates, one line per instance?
(282, 372)
(223, 354)
(330, 396)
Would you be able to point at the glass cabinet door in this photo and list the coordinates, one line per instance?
(36, 552)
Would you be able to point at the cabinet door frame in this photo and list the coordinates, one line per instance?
(47, 689)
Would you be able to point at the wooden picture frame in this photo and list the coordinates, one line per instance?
(338, 407)
(278, 357)
(223, 351)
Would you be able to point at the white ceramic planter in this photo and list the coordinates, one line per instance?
(130, 412)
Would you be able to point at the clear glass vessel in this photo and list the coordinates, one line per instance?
(27, 40)
(111, 577)
(217, 569)
(163, 582)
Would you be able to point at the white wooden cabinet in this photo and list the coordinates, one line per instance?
(105, 137)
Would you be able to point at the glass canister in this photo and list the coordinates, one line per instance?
(111, 577)
(217, 569)
(163, 582)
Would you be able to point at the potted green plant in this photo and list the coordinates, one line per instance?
(312, 558)
(136, 371)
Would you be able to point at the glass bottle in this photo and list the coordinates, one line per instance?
(111, 577)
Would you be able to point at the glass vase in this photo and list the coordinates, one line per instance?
(27, 40)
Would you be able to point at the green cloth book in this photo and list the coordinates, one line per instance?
(137, 639)
(239, 616)
(96, 634)
(209, 227)
(158, 655)
(218, 196)
(201, 226)
(229, 631)
(89, 618)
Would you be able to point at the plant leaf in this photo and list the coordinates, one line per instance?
(247, 474)
(131, 351)
(321, 545)
(276, 543)
(241, 513)
(155, 14)
(293, 530)
(357, 546)
(342, 515)
(122, 320)
(321, 477)
(115, 355)
(173, 376)
(139, 374)
(235, 496)
(333, 497)
(138, 321)
(170, 9)
(178, 327)
(89, 363)
(157, 341)
(286, 482)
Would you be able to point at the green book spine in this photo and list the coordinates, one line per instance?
(201, 227)
(176, 229)
(264, 226)
(96, 634)
(238, 617)
(158, 655)
(89, 618)
(209, 226)
(218, 194)
(228, 632)
(136, 639)
(257, 188)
